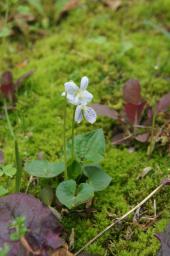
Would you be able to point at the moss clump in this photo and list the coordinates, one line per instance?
(110, 47)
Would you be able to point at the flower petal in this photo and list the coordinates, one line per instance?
(86, 97)
(90, 114)
(78, 114)
(71, 88)
(72, 99)
(84, 83)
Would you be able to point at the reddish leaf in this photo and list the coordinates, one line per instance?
(7, 86)
(164, 238)
(132, 92)
(142, 137)
(166, 181)
(44, 230)
(103, 110)
(134, 112)
(164, 103)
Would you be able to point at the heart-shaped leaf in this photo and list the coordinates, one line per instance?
(89, 147)
(71, 195)
(44, 169)
(98, 179)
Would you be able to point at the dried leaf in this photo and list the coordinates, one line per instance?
(145, 171)
(71, 5)
(103, 110)
(44, 230)
(132, 92)
(120, 138)
(113, 4)
(142, 137)
(164, 103)
(72, 238)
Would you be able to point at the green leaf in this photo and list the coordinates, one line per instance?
(4, 250)
(74, 169)
(44, 169)
(9, 170)
(98, 179)
(5, 31)
(89, 147)
(3, 191)
(71, 195)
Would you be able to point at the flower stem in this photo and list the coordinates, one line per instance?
(9, 122)
(65, 150)
(72, 136)
(19, 168)
(17, 155)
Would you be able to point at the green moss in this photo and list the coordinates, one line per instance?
(110, 47)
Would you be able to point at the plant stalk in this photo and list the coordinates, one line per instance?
(16, 148)
(72, 136)
(152, 143)
(65, 141)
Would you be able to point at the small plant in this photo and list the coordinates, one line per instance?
(137, 121)
(7, 171)
(81, 170)
(8, 90)
(28, 227)
(4, 250)
(18, 224)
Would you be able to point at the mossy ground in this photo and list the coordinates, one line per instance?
(109, 47)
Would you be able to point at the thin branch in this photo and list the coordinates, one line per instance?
(123, 139)
(120, 219)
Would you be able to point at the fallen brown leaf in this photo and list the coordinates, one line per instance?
(113, 4)
(72, 4)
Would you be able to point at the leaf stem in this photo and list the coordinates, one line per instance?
(9, 122)
(16, 147)
(152, 143)
(65, 141)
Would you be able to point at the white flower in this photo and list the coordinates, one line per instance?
(76, 95)
(88, 112)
